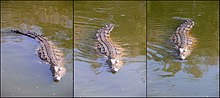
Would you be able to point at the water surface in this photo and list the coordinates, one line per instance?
(91, 74)
(22, 72)
(198, 75)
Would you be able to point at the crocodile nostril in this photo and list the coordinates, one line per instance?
(56, 79)
(114, 70)
(182, 58)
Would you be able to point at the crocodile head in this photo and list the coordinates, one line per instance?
(58, 73)
(114, 64)
(183, 53)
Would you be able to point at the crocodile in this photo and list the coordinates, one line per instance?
(108, 48)
(182, 41)
(48, 52)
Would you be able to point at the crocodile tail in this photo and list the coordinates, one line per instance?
(180, 18)
(107, 28)
(15, 31)
(26, 33)
(183, 19)
(187, 24)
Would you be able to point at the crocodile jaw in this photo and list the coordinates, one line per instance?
(114, 65)
(182, 57)
(58, 73)
(184, 52)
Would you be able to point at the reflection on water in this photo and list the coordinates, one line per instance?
(23, 72)
(184, 77)
(91, 73)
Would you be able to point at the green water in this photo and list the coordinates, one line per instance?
(198, 75)
(151, 71)
(91, 74)
(22, 71)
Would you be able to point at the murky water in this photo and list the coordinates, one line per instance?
(91, 74)
(22, 71)
(198, 75)
(24, 74)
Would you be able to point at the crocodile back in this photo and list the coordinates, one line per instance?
(108, 48)
(182, 40)
(105, 44)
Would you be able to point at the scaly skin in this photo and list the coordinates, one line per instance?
(108, 48)
(182, 41)
(48, 53)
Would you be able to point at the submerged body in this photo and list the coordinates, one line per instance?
(108, 48)
(49, 53)
(182, 41)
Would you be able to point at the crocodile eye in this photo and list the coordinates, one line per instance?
(59, 69)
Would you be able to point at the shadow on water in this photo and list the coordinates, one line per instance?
(23, 72)
(92, 75)
(198, 74)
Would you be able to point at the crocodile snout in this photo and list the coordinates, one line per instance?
(56, 79)
(114, 69)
